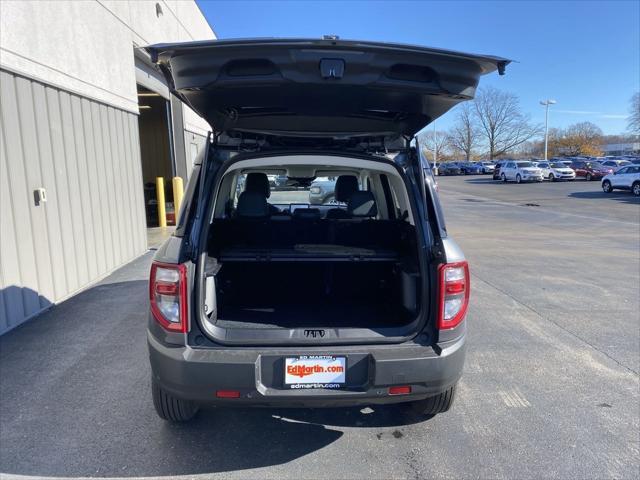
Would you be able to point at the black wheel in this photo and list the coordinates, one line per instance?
(588, 178)
(437, 404)
(329, 200)
(504, 178)
(606, 186)
(518, 178)
(552, 178)
(171, 408)
(635, 189)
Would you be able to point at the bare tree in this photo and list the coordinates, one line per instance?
(502, 124)
(464, 136)
(437, 142)
(634, 115)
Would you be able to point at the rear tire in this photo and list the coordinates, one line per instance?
(171, 408)
(588, 178)
(437, 404)
(606, 186)
(635, 189)
(330, 200)
(504, 178)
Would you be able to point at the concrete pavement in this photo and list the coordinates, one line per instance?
(550, 387)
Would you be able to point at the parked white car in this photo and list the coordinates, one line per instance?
(556, 171)
(487, 167)
(625, 178)
(520, 171)
(615, 164)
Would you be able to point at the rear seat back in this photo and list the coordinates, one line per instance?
(286, 232)
(253, 227)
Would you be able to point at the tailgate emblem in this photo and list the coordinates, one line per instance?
(314, 333)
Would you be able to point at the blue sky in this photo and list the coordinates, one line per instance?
(584, 54)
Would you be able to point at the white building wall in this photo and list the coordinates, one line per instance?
(68, 124)
(86, 46)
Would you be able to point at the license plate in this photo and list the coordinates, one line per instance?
(315, 371)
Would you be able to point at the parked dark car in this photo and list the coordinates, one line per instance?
(590, 170)
(470, 168)
(317, 306)
(449, 168)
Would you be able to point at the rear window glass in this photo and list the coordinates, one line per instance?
(287, 191)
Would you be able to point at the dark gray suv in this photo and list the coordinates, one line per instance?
(260, 298)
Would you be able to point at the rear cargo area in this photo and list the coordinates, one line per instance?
(310, 295)
(282, 265)
(286, 274)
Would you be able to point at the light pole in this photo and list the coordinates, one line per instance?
(546, 104)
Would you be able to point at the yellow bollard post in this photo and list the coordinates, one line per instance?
(162, 211)
(178, 192)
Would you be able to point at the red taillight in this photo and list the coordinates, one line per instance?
(228, 394)
(454, 294)
(400, 390)
(168, 296)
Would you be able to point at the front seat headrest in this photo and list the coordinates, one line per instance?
(362, 204)
(257, 182)
(345, 186)
(252, 205)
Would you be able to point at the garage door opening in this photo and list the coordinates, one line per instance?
(156, 150)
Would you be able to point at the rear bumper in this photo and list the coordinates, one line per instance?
(258, 373)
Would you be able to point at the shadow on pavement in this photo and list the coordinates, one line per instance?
(76, 401)
(482, 180)
(617, 195)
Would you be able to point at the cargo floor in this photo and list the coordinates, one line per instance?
(343, 314)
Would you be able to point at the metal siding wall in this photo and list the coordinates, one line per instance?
(87, 157)
(193, 142)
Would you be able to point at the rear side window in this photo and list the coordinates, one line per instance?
(390, 197)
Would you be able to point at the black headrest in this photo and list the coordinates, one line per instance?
(307, 213)
(252, 205)
(362, 204)
(257, 182)
(345, 186)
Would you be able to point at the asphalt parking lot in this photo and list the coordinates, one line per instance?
(550, 389)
